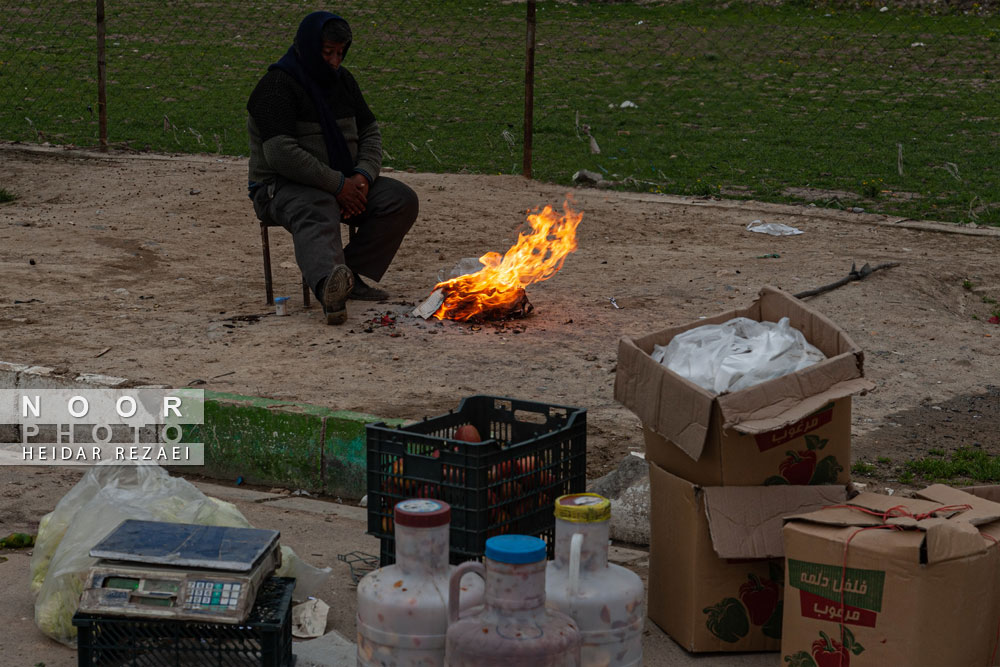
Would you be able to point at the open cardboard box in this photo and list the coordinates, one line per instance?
(716, 559)
(794, 429)
(918, 589)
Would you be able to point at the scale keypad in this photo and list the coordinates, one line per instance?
(214, 594)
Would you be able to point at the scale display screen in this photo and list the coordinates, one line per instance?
(122, 583)
(162, 586)
(154, 602)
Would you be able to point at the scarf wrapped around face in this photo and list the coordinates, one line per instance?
(304, 61)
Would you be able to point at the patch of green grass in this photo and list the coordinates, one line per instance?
(749, 97)
(6, 196)
(863, 468)
(968, 285)
(873, 188)
(884, 460)
(967, 464)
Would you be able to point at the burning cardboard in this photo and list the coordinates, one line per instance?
(498, 289)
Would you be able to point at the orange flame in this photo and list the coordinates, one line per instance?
(538, 255)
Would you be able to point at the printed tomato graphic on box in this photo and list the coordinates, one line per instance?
(828, 652)
(806, 467)
(758, 604)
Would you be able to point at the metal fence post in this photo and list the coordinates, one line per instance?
(102, 92)
(529, 89)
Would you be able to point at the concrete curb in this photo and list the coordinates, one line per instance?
(264, 441)
(279, 443)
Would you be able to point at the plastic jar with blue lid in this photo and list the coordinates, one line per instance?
(515, 549)
(514, 623)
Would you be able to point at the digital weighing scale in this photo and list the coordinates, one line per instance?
(179, 571)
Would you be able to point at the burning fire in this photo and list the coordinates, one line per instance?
(499, 285)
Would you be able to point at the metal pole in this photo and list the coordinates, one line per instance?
(102, 91)
(529, 89)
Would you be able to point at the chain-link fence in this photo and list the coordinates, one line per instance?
(887, 106)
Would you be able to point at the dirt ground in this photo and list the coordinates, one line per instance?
(149, 267)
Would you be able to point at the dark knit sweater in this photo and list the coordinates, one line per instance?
(286, 139)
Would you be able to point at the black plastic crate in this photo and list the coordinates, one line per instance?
(263, 640)
(531, 454)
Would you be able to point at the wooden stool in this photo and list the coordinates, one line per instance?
(268, 286)
(266, 247)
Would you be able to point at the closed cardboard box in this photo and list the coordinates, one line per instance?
(884, 580)
(794, 429)
(715, 560)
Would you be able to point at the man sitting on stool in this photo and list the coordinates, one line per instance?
(315, 156)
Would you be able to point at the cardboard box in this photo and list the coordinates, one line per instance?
(715, 559)
(919, 588)
(792, 429)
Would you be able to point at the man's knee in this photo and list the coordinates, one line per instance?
(411, 205)
(398, 200)
(405, 207)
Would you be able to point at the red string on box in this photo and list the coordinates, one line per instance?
(892, 513)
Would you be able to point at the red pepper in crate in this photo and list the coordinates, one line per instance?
(393, 481)
(527, 454)
(468, 433)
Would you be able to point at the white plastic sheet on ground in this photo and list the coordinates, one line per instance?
(773, 228)
(737, 354)
(104, 497)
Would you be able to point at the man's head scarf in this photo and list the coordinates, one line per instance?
(304, 61)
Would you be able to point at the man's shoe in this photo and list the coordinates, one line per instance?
(335, 291)
(362, 291)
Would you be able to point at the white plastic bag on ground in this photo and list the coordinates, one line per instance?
(104, 497)
(773, 228)
(737, 354)
(308, 578)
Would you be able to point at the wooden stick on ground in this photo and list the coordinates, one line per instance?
(855, 274)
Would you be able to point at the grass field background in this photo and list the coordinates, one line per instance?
(842, 105)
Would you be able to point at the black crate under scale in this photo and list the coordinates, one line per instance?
(263, 640)
(530, 454)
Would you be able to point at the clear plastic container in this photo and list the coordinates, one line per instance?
(605, 600)
(514, 628)
(403, 608)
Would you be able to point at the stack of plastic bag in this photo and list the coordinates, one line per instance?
(737, 354)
